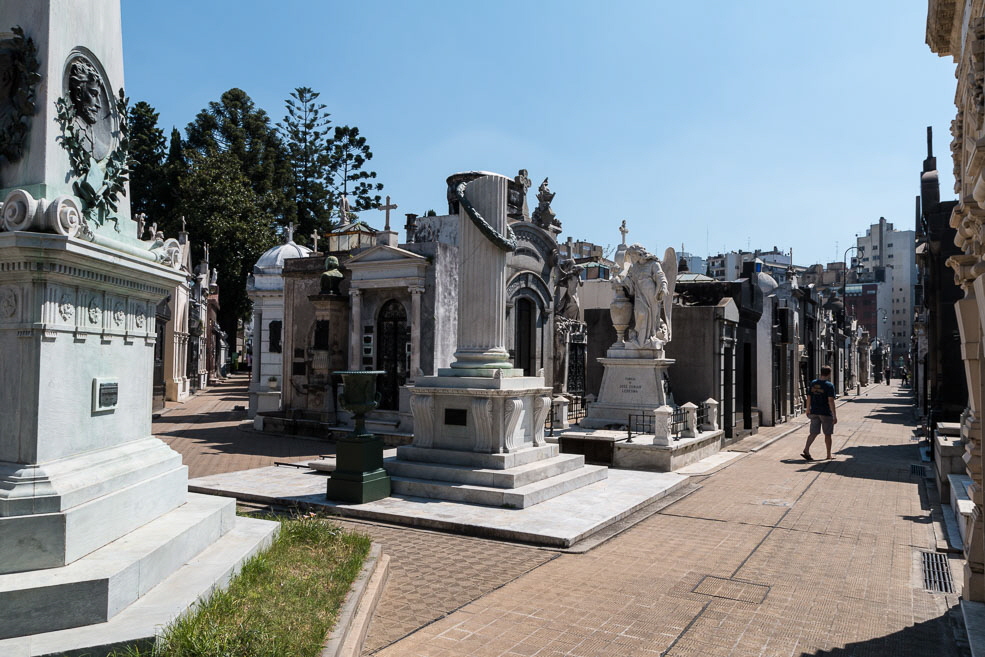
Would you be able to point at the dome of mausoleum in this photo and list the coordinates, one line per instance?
(274, 258)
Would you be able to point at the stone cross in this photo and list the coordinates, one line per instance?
(389, 206)
(290, 232)
(623, 230)
(314, 239)
(183, 223)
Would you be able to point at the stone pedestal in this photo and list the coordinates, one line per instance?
(479, 425)
(632, 384)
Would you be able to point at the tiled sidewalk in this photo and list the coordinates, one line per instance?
(773, 556)
(213, 437)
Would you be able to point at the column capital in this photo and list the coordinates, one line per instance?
(966, 269)
(355, 292)
(416, 289)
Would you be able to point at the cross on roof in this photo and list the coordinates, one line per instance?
(314, 239)
(389, 206)
(183, 223)
(290, 232)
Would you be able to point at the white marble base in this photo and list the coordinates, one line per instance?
(630, 386)
(643, 454)
(263, 401)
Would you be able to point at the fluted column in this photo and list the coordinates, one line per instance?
(482, 280)
(415, 330)
(356, 330)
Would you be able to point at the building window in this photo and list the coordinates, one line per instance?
(274, 329)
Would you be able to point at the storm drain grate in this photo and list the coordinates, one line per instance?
(937, 573)
(918, 470)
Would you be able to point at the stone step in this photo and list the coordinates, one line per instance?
(490, 477)
(98, 586)
(477, 459)
(515, 498)
(197, 579)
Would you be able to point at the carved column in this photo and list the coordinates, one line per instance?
(356, 330)
(482, 280)
(967, 274)
(415, 331)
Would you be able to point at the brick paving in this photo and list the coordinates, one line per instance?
(213, 437)
(771, 556)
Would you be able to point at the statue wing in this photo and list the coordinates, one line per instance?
(670, 271)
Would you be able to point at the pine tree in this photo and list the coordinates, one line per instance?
(347, 156)
(305, 134)
(234, 125)
(147, 163)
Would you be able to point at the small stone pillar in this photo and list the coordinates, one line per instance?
(356, 340)
(690, 420)
(662, 418)
(561, 412)
(711, 415)
(415, 330)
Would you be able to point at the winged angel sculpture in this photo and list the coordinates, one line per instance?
(650, 285)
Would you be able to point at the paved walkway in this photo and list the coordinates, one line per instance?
(213, 436)
(771, 556)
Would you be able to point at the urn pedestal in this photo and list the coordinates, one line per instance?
(359, 476)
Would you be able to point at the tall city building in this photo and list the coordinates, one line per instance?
(884, 246)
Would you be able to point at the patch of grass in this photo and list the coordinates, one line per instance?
(283, 602)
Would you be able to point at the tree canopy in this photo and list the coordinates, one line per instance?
(305, 133)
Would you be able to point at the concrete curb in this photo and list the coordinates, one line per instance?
(347, 639)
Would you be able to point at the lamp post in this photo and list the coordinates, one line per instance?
(844, 279)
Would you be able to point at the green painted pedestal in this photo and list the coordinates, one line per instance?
(359, 476)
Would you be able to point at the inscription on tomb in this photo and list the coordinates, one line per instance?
(630, 386)
(105, 395)
(457, 417)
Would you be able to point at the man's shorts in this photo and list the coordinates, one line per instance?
(822, 424)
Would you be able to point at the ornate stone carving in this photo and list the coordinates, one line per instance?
(20, 210)
(543, 215)
(8, 303)
(966, 269)
(512, 410)
(139, 319)
(542, 405)
(88, 93)
(19, 78)
(422, 408)
(63, 216)
(652, 292)
(977, 73)
(94, 310)
(119, 313)
(481, 412)
(957, 143)
(66, 308)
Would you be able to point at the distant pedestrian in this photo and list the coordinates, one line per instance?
(906, 377)
(888, 372)
(820, 405)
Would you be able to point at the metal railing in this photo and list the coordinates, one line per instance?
(638, 424)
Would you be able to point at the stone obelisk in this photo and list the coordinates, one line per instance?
(79, 467)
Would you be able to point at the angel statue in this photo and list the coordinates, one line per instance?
(650, 286)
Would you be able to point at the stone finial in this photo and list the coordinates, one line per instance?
(711, 415)
(690, 420)
(662, 418)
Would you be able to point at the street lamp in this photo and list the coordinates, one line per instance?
(844, 279)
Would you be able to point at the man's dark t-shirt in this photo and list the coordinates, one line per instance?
(820, 391)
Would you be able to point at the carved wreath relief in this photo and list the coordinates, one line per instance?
(8, 303)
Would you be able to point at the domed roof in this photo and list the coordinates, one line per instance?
(766, 283)
(274, 258)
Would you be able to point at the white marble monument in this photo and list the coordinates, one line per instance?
(479, 420)
(94, 510)
(635, 366)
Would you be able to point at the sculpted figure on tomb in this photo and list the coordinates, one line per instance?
(569, 280)
(647, 283)
(331, 278)
(84, 89)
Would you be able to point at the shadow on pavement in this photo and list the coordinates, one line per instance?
(933, 637)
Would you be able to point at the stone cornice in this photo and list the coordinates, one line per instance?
(940, 26)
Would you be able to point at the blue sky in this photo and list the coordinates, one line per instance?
(712, 124)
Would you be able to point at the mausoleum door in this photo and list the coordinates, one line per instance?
(524, 336)
(393, 352)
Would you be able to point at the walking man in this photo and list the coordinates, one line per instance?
(820, 405)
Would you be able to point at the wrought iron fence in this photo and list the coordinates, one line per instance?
(703, 419)
(576, 409)
(678, 422)
(638, 424)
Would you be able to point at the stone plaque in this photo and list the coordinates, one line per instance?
(456, 417)
(105, 395)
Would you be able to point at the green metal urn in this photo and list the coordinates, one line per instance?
(359, 476)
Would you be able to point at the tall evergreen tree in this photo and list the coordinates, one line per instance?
(305, 134)
(224, 211)
(349, 153)
(234, 125)
(147, 162)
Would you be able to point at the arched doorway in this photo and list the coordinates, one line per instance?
(392, 353)
(525, 336)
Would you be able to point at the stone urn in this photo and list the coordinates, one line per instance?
(359, 476)
(621, 311)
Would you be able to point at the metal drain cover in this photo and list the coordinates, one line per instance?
(936, 572)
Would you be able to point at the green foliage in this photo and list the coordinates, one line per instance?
(235, 126)
(148, 187)
(305, 133)
(349, 153)
(98, 203)
(226, 212)
(283, 602)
